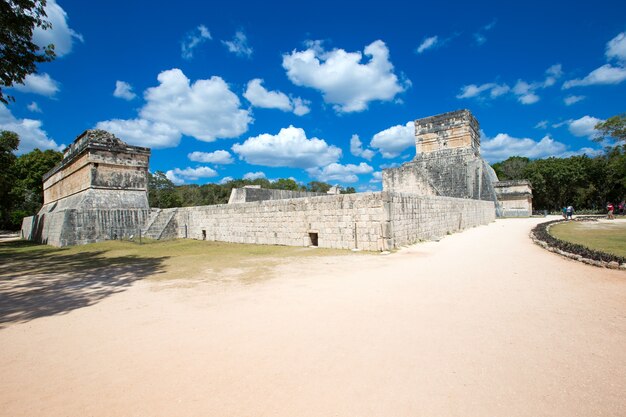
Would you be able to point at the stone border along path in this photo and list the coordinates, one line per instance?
(570, 255)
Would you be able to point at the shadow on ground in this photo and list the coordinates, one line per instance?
(36, 281)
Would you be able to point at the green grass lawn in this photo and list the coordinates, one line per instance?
(181, 258)
(609, 237)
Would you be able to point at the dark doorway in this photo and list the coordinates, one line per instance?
(313, 237)
(204, 235)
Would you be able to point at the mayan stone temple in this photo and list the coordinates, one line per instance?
(99, 192)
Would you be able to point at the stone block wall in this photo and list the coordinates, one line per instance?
(515, 198)
(246, 194)
(343, 221)
(413, 218)
(457, 129)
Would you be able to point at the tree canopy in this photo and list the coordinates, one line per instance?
(19, 55)
(613, 127)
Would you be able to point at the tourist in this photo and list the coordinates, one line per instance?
(570, 212)
(609, 209)
(564, 212)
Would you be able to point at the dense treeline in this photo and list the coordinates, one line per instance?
(21, 188)
(581, 181)
(164, 194)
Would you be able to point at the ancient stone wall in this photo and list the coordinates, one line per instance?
(515, 198)
(413, 218)
(247, 194)
(457, 129)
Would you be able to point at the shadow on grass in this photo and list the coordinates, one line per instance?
(39, 281)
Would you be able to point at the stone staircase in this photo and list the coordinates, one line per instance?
(157, 223)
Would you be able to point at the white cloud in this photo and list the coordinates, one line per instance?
(41, 84)
(124, 90)
(258, 96)
(343, 80)
(220, 157)
(193, 39)
(341, 173)
(569, 100)
(30, 132)
(377, 176)
(34, 107)
(503, 146)
(393, 141)
(473, 90)
(479, 37)
(179, 176)
(225, 180)
(356, 148)
(59, 34)
(301, 106)
(584, 126)
(525, 92)
(616, 47)
(142, 132)
(605, 75)
(254, 175)
(239, 45)
(205, 110)
(289, 148)
(542, 125)
(427, 44)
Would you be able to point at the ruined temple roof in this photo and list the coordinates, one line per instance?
(95, 139)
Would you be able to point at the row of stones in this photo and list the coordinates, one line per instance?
(602, 264)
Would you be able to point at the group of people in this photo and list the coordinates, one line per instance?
(611, 210)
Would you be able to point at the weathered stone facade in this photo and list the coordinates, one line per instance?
(368, 221)
(97, 191)
(515, 198)
(448, 163)
(251, 193)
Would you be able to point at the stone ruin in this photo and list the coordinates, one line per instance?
(99, 192)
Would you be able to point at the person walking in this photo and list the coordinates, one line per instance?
(564, 212)
(609, 209)
(570, 212)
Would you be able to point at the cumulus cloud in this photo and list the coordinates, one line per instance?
(584, 126)
(41, 84)
(142, 132)
(356, 148)
(220, 157)
(289, 148)
(34, 107)
(377, 176)
(393, 141)
(253, 175)
(124, 91)
(239, 45)
(503, 146)
(259, 96)
(473, 90)
(30, 132)
(616, 48)
(60, 34)
(607, 74)
(205, 110)
(194, 39)
(569, 100)
(340, 173)
(179, 176)
(427, 43)
(225, 180)
(344, 81)
(525, 92)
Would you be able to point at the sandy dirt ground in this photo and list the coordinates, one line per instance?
(481, 323)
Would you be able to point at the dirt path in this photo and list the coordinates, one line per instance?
(482, 323)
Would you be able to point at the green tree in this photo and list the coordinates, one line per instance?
(511, 168)
(286, 184)
(162, 191)
(614, 127)
(348, 190)
(318, 187)
(19, 55)
(9, 141)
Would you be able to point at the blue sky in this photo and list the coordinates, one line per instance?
(325, 90)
